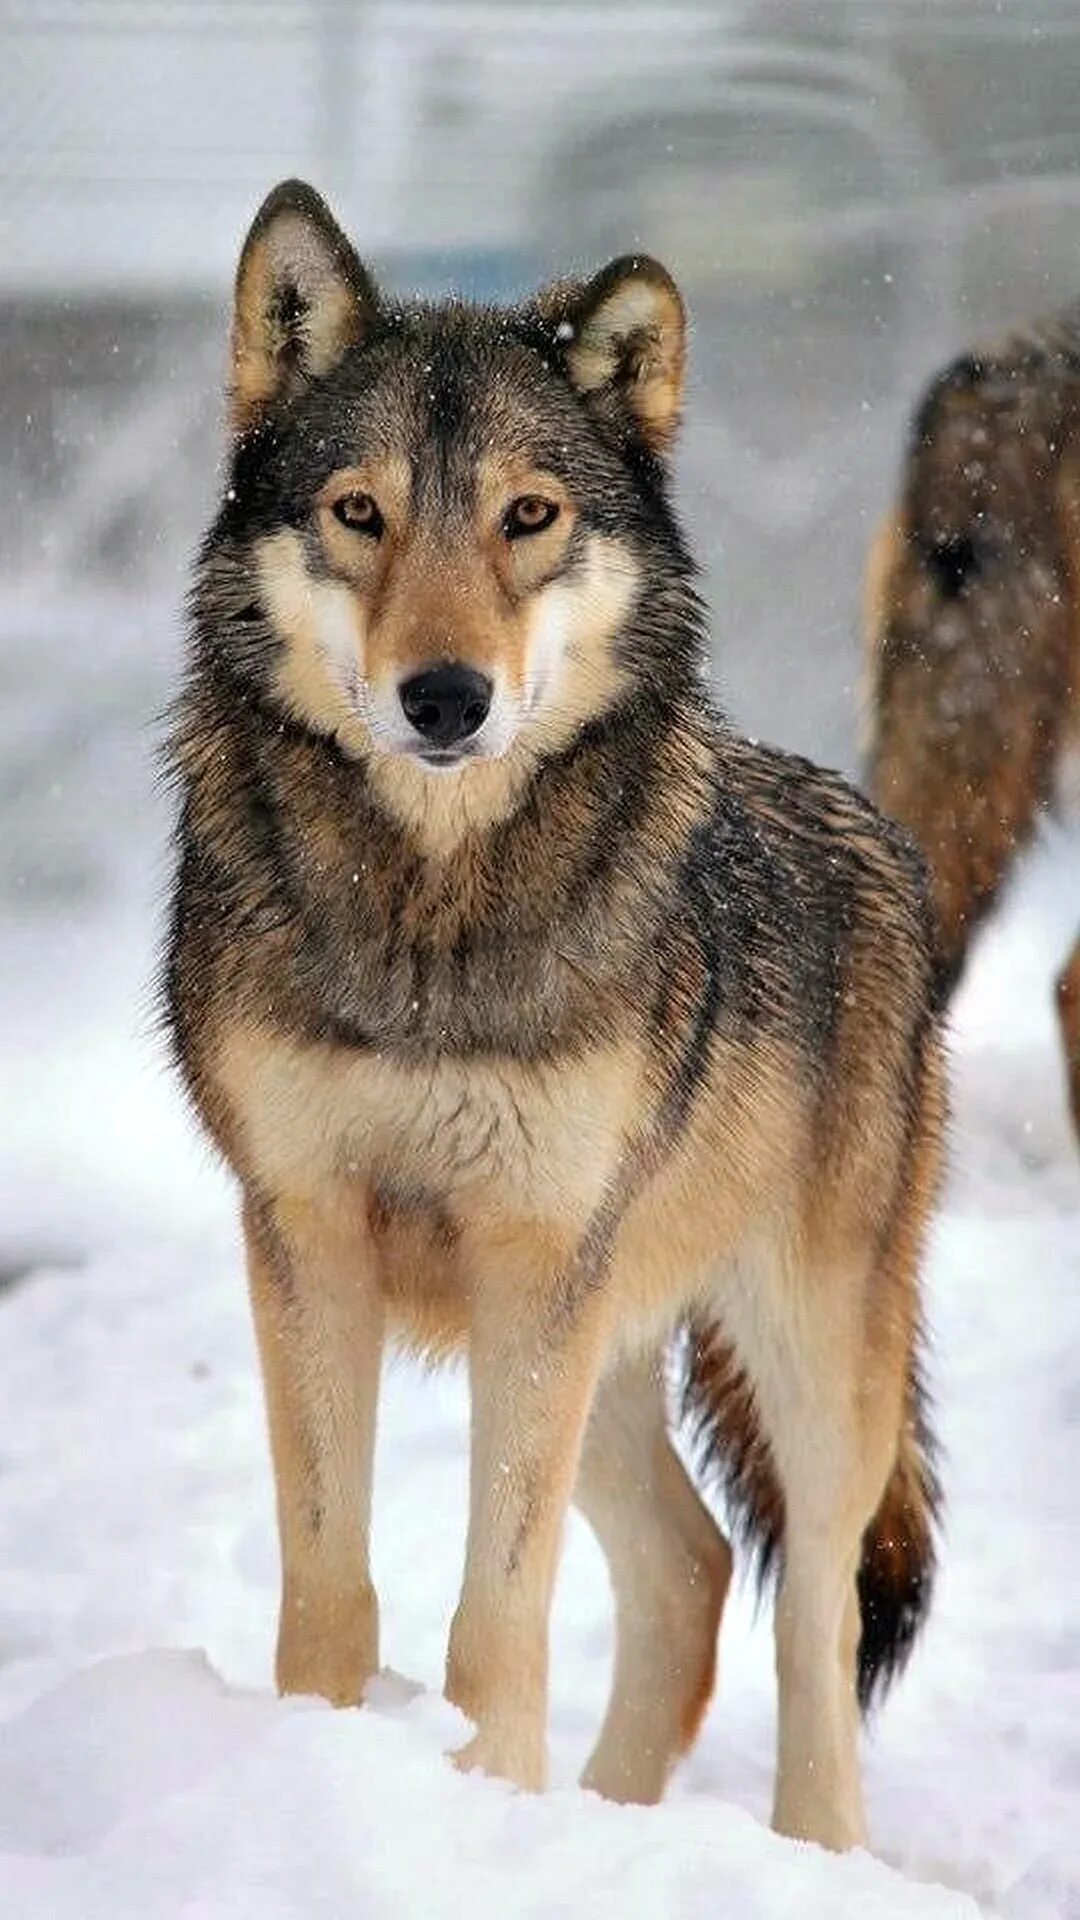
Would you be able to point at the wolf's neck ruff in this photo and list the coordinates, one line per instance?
(525, 939)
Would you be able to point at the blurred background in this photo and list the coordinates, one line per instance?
(847, 190)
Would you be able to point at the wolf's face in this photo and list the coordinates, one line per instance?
(439, 519)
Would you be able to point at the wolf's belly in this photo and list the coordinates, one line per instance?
(542, 1140)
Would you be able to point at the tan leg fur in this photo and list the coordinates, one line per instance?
(535, 1352)
(831, 1448)
(319, 1323)
(670, 1567)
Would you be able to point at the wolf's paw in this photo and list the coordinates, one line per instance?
(631, 1779)
(388, 1691)
(507, 1754)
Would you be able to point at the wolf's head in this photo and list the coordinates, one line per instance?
(446, 542)
(981, 553)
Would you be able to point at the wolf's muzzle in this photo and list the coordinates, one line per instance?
(446, 704)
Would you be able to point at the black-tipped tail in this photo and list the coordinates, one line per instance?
(896, 1571)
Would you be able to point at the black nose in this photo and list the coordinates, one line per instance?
(446, 704)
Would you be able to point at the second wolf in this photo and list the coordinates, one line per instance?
(540, 1017)
(973, 631)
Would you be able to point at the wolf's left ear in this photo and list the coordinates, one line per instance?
(625, 335)
(302, 299)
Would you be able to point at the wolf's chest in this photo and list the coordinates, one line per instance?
(542, 1138)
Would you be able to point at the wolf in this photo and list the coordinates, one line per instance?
(544, 1020)
(972, 624)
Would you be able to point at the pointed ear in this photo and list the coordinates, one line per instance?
(625, 345)
(302, 298)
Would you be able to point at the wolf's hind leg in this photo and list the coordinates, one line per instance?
(670, 1567)
(319, 1323)
(803, 1361)
(1068, 1005)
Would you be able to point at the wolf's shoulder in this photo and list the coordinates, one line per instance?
(799, 835)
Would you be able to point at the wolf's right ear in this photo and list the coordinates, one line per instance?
(624, 344)
(302, 299)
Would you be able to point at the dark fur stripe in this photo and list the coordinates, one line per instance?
(730, 1447)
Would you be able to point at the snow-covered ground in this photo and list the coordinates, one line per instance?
(146, 1769)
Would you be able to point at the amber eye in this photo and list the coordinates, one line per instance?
(531, 514)
(358, 512)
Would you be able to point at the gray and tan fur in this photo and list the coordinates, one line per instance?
(973, 631)
(540, 1016)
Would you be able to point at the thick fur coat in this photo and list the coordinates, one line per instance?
(542, 1018)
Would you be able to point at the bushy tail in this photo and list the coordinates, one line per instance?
(896, 1570)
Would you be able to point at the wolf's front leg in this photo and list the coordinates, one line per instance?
(319, 1322)
(537, 1340)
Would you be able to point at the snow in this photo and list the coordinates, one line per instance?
(145, 1766)
(225, 1803)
